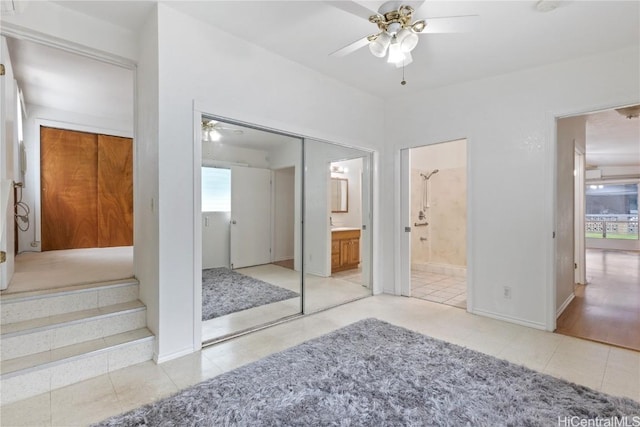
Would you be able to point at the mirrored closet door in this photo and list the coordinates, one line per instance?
(337, 224)
(251, 234)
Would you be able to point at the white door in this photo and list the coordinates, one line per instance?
(250, 216)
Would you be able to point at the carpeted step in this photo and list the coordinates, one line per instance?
(28, 376)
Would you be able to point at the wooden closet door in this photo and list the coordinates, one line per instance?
(115, 191)
(68, 174)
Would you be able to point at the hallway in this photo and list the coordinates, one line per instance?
(607, 309)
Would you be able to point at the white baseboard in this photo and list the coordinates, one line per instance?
(565, 304)
(167, 357)
(510, 319)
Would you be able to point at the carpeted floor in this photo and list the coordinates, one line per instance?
(225, 291)
(372, 373)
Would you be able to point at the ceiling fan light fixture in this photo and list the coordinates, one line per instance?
(395, 53)
(406, 60)
(214, 135)
(407, 39)
(419, 26)
(379, 45)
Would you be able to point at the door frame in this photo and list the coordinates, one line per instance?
(551, 183)
(579, 252)
(28, 34)
(403, 256)
(198, 111)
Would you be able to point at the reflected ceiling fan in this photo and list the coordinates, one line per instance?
(212, 130)
(398, 32)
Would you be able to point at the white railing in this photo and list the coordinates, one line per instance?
(607, 226)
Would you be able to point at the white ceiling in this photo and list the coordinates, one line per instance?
(512, 35)
(612, 140)
(57, 79)
(246, 137)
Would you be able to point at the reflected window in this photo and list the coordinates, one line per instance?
(216, 189)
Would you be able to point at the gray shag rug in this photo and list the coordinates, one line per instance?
(372, 373)
(225, 291)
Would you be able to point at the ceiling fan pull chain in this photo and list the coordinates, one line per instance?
(403, 82)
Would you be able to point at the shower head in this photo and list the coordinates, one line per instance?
(432, 173)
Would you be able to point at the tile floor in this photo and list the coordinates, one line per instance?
(320, 293)
(439, 288)
(603, 367)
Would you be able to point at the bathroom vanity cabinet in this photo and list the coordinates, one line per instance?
(345, 249)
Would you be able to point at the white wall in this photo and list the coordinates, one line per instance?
(146, 235)
(509, 123)
(282, 95)
(89, 34)
(290, 156)
(213, 152)
(571, 133)
(283, 217)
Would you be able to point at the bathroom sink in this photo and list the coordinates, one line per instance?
(344, 228)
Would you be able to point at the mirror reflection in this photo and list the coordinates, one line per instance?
(337, 242)
(251, 203)
(339, 195)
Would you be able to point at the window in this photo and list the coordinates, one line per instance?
(216, 189)
(612, 211)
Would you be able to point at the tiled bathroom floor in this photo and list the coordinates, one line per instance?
(439, 288)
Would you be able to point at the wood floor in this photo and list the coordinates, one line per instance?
(607, 309)
(287, 263)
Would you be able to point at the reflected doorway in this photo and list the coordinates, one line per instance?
(337, 225)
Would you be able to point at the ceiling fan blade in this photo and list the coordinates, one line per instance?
(358, 8)
(452, 24)
(358, 44)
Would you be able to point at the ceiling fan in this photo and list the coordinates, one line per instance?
(212, 130)
(398, 32)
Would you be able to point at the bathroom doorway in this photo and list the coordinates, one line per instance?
(436, 205)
